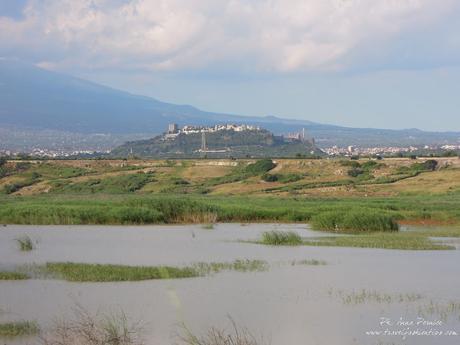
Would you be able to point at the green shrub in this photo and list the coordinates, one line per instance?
(355, 172)
(269, 177)
(260, 167)
(354, 221)
(350, 163)
(281, 238)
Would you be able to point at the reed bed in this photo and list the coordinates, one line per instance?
(354, 222)
(281, 238)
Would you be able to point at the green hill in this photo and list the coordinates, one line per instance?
(220, 144)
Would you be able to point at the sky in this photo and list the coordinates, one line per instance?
(359, 63)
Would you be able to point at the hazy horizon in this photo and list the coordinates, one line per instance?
(388, 65)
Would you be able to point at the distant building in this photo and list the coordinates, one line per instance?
(173, 128)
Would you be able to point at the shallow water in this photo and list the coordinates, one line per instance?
(288, 304)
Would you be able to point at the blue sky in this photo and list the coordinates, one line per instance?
(386, 63)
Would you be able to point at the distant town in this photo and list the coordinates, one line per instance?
(173, 131)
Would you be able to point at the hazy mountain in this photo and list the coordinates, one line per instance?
(33, 99)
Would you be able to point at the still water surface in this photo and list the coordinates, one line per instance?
(289, 305)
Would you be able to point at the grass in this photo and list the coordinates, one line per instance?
(215, 336)
(18, 329)
(308, 262)
(82, 272)
(6, 275)
(281, 238)
(371, 296)
(354, 221)
(382, 240)
(209, 226)
(148, 209)
(237, 265)
(94, 329)
(128, 183)
(25, 243)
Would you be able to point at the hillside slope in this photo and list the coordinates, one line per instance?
(222, 144)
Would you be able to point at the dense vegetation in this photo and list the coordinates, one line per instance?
(281, 238)
(137, 209)
(354, 221)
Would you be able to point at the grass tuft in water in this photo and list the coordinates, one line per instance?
(82, 272)
(281, 238)
(209, 226)
(25, 243)
(6, 275)
(215, 336)
(401, 241)
(18, 329)
(238, 265)
(308, 262)
(371, 296)
(88, 329)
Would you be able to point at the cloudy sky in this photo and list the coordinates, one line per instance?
(365, 63)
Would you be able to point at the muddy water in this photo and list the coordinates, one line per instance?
(287, 305)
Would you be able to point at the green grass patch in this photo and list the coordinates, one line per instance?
(203, 209)
(18, 328)
(354, 221)
(25, 243)
(7, 275)
(281, 238)
(79, 272)
(128, 183)
(82, 272)
(402, 241)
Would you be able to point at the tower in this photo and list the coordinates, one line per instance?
(203, 142)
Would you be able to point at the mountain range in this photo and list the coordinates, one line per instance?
(34, 100)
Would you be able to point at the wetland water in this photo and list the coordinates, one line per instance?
(333, 304)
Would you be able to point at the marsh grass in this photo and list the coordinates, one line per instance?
(441, 310)
(25, 243)
(94, 329)
(281, 238)
(363, 221)
(401, 241)
(18, 329)
(196, 218)
(365, 296)
(82, 272)
(238, 265)
(308, 262)
(6, 275)
(208, 226)
(148, 209)
(441, 232)
(235, 336)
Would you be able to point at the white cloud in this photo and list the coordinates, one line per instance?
(259, 35)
